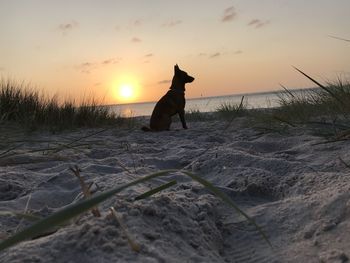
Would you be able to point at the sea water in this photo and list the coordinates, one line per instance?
(204, 104)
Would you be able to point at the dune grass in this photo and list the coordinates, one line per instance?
(229, 109)
(196, 115)
(330, 101)
(23, 105)
(324, 110)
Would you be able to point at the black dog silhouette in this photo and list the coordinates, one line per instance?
(171, 103)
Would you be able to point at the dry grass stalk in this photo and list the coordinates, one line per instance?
(24, 212)
(134, 246)
(85, 188)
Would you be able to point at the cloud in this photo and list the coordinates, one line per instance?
(212, 55)
(229, 14)
(110, 61)
(215, 55)
(172, 23)
(147, 58)
(67, 27)
(340, 38)
(132, 25)
(137, 22)
(219, 54)
(166, 81)
(136, 40)
(257, 23)
(87, 67)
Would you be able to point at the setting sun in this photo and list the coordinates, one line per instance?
(126, 91)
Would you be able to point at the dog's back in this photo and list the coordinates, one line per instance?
(171, 103)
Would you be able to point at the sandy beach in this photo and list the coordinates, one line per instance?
(295, 186)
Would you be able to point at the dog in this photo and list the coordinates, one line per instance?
(173, 102)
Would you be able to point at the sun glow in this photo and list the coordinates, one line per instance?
(126, 90)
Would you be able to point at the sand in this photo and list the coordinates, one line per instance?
(293, 185)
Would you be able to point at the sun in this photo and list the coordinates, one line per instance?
(126, 91)
(126, 88)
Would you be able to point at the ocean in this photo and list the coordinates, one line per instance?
(205, 104)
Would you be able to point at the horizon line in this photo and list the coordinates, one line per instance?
(225, 95)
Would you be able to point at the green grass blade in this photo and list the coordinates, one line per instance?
(156, 190)
(228, 201)
(313, 80)
(71, 211)
(26, 216)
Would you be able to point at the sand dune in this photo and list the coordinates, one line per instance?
(296, 189)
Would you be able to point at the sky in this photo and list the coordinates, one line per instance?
(83, 48)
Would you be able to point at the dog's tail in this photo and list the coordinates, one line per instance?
(146, 129)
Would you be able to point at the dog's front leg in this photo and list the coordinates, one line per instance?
(182, 118)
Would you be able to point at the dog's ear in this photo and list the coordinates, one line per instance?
(176, 68)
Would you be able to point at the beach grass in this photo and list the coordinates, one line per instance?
(232, 109)
(323, 110)
(325, 102)
(21, 104)
(196, 115)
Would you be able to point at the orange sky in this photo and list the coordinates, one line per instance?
(92, 48)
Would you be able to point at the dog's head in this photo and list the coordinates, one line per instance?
(181, 75)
